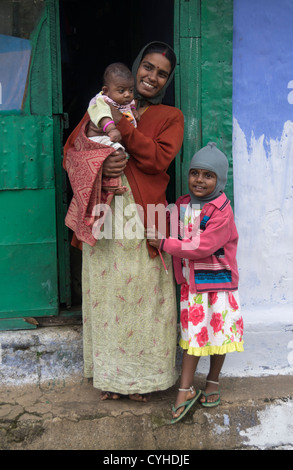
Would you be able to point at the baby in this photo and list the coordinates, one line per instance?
(118, 91)
(118, 84)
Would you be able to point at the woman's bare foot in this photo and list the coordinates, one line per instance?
(110, 396)
(140, 397)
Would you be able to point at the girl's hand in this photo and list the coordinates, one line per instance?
(155, 243)
(153, 236)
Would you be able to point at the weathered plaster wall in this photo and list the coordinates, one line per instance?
(263, 177)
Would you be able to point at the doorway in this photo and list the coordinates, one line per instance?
(93, 35)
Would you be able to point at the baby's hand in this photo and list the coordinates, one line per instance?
(114, 135)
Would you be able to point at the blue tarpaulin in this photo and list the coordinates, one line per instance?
(15, 56)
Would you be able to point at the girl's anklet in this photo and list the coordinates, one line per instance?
(190, 389)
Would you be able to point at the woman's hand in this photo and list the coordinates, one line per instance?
(115, 164)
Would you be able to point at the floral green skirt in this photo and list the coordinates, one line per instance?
(129, 310)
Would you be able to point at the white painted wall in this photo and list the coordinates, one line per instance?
(263, 179)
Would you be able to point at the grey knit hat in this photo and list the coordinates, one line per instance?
(210, 158)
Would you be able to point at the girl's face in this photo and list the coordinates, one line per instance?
(152, 74)
(201, 182)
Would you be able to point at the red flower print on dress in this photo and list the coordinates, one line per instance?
(202, 337)
(196, 314)
(213, 297)
(217, 322)
(232, 301)
(190, 231)
(184, 291)
(184, 318)
(239, 326)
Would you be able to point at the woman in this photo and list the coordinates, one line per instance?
(129, 306)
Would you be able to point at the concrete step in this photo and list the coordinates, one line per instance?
(46, 404)
(255, 413)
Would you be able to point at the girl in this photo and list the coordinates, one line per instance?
(205, 266)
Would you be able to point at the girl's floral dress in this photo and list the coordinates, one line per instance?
(211, 322)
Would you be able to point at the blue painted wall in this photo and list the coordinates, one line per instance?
(263, 65)
(263, 152)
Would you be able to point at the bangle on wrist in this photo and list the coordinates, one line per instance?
(107, 124)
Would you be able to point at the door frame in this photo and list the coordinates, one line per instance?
(203, 37)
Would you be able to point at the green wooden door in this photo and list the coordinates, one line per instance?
(203, 31)
(33, 246)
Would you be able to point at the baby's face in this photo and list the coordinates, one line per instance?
(120, 90)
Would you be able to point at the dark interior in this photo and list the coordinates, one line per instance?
(93, 35)
(96, 33)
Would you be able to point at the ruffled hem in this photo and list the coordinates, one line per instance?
(210, 350)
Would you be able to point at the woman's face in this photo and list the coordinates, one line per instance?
(152, 74)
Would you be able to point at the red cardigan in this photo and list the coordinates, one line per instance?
(152, 146)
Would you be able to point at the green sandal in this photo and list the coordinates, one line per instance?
(187, 404)
(211, 404)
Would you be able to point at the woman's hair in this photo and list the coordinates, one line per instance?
(116, 69)
(158, 47)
